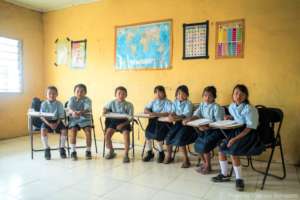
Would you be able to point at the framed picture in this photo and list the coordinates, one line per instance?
(78, 54)
(62, 51)
(195, 40)
(145, 45)
(230, 37)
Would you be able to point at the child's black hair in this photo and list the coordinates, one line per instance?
(243, 88)
(160, 88)
(82, 86)
(182, 88)
(51, 87)
(210, 89)
(122, 88)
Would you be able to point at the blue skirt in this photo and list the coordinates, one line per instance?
(180, 135)
(208, 140)
(157, 130)
(249, 145)
(113, 123)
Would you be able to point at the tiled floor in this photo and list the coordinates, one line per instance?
(23, 178)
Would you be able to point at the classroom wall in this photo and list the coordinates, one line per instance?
(26, 25)
(270, 67)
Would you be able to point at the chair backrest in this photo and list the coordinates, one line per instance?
(36, 106)
(226, 109)
(268, 117)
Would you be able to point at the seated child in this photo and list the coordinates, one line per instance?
(50, 124)
(80, 108)
(179, 134)
(119, 105)
(209, 138)
(242, 141)
(156, 130)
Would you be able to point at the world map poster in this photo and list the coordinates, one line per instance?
(144, 46)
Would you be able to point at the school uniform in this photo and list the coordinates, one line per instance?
(180, 135)
(57, 109)
(123, 107)
(210, 138)
(155, 129)
(249, 144)
(83, 104)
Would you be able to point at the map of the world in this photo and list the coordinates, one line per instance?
(145, 46)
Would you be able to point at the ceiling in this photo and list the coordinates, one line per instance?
(48, 5)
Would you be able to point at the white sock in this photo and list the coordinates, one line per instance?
(63, 141)
(45, 141)
(224, 167)
(73, 147)
(88, 148)
(148, 145)
(237, 172)
(160, 147)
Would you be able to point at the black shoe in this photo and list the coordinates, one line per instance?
(220, 178)
(62, 153)
(74, 155)
(88, 155)
(47, 154)
(149, 156)
(161, 157)
(239, 185)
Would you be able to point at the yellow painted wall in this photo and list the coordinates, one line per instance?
(270, 68)
(26, 25)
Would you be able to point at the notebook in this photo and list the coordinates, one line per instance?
(117, 116)
(199, 122)
(226, 124)
(40, 114)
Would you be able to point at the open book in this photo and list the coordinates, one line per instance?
(117, 116)
(199, 122)
(39, 114)
(226, 124)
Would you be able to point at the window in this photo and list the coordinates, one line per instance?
(10, 65)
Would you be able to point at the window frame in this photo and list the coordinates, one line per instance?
(20, 65)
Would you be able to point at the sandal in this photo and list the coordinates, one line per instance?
(168, 161)
(186, 164)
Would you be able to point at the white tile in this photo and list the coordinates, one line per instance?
(98, 185)
(132, 192)
(163, 195)
(23, 178)
(193, 188)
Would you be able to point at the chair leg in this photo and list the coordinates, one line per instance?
(133, 150)
(31, 144)
(143, 151)
(174, 152)
(231, 171)
(68, 145)
(103, 152)
(267, 170)
(95, 141)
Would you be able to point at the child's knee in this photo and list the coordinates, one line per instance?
(64, 132)
(44, 132)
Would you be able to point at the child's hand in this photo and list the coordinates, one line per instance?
(227, 117)
(53, 126)
(171, 118)
(203, 128)
(120, 126)
(152, 114)
(185, 121)
(231, 142)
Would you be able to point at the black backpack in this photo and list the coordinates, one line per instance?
(36, 105)
(267, 118)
